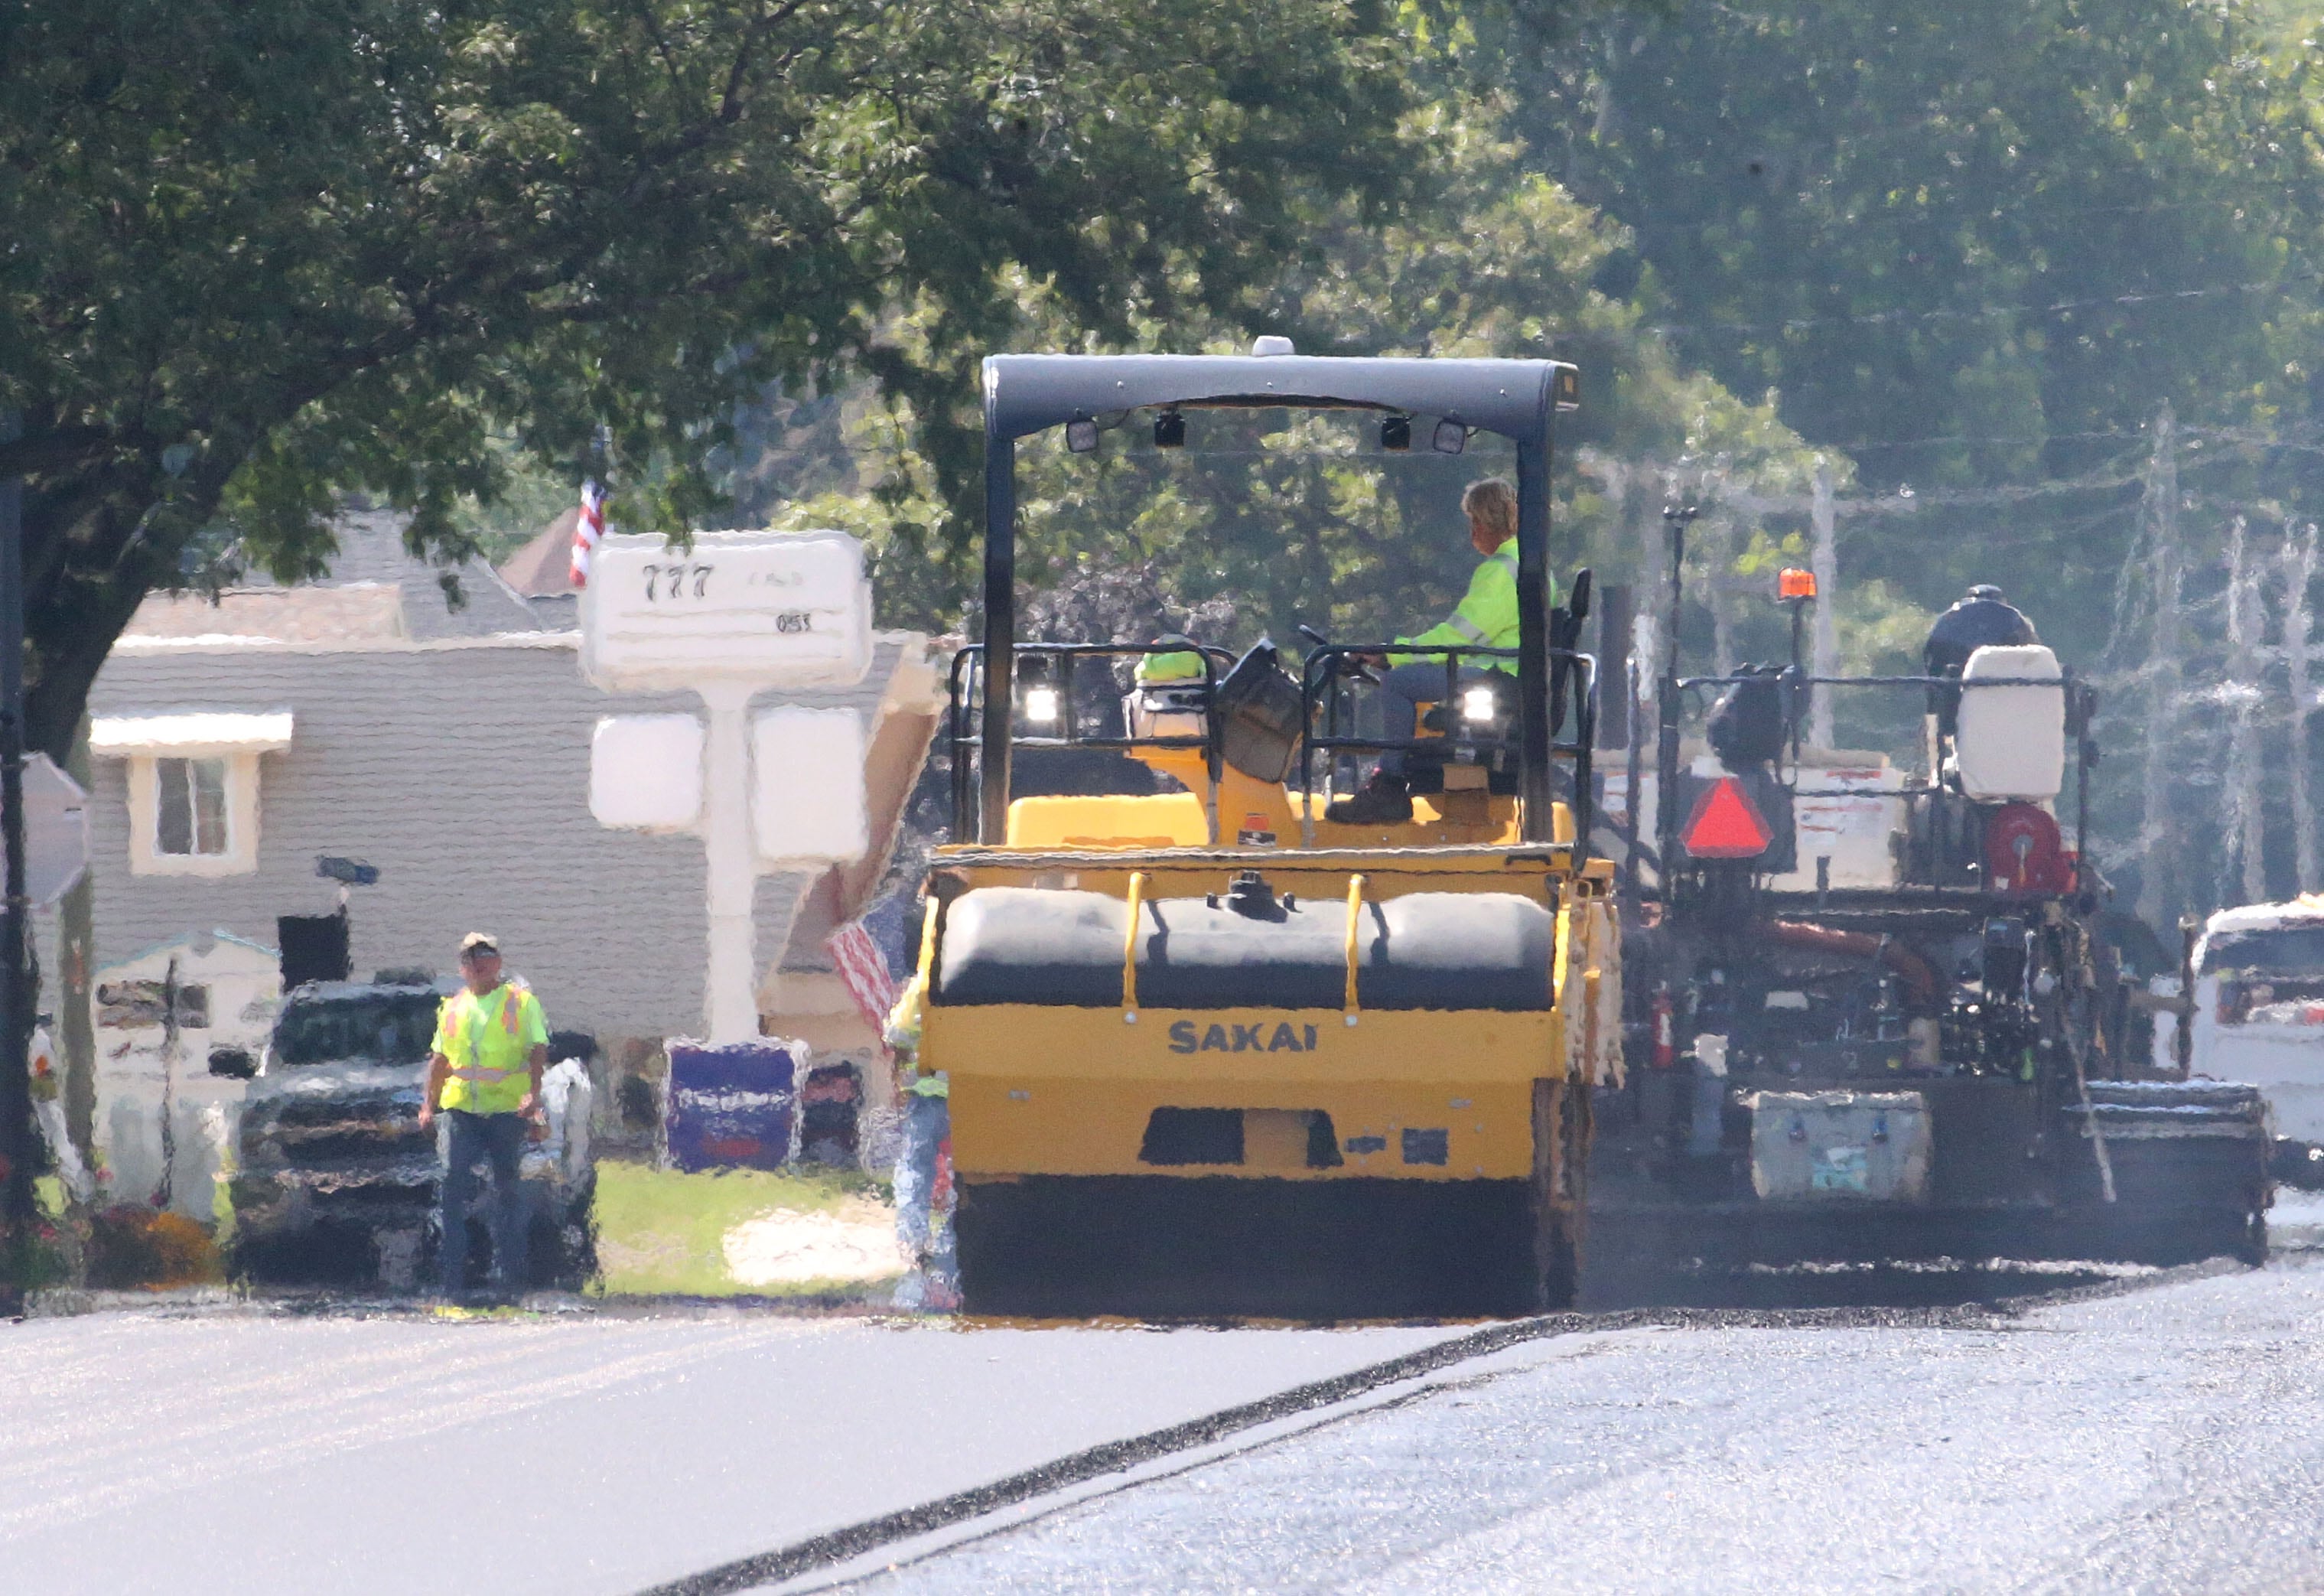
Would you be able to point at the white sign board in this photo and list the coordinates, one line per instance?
(56, 831)
(807, 786)
(776, 609)
(645, 771)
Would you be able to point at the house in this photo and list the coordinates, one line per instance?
(542, 574)
(445, 743)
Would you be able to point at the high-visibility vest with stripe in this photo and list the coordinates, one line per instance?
(489, 1043)
(1487, 615)
(1174, 665)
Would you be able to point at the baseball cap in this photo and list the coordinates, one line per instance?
(479, 942)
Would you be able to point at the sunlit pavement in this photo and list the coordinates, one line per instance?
(253, 1451)
(2162, 1434)
(2169, 1438)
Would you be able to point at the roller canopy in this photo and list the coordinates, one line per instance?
(1027, 394)
(1425, 950)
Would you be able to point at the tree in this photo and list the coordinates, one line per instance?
(1271, 518)
(260, 254)
(1977, 246)
(1960, 237)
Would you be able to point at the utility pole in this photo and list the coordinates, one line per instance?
(1676, 517)
(2158, 888)
(1823, 560)
(2298, 571)
(17, 1210)
(1654, 542)
(2244, 774)
(1722, 600)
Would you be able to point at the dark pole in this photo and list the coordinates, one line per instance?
(1000, 629)
(1614, 611)
(16, 1144)
(2086, 754)
(1675, 517)
(1795, 701)
(1534, 731)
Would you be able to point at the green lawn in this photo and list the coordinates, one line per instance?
(660, 1231)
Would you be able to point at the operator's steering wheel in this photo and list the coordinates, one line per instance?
(1348, 665)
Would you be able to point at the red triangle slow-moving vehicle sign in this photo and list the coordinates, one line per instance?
(1725, 824)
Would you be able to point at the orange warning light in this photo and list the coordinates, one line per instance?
(1725, 824)
(1794, 582)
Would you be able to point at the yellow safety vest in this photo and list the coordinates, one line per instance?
(1170, 666)
(1486, 615)
(489, 1041)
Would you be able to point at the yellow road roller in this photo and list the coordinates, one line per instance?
(1212, 1053)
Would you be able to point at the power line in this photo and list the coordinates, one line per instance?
(1979, 313)
(2308, 441)
(1907, 443)
(1855, 223)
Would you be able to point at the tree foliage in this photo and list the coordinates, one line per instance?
(262, 254)
(1959, 239)
(1275, 518)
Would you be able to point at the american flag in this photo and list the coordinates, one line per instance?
(864, 968)
(587, 529)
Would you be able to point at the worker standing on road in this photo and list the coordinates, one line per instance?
(1485, 618)
(491, 1046)
(923, 1194)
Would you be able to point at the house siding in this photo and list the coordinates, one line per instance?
(461, 770)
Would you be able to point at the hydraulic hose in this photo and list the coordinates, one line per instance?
(1914, 969)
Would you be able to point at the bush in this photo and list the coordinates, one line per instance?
(30, 1261)
(132, 1246)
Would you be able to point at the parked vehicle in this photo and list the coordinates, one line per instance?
(335, 1180)
(2259, 1021)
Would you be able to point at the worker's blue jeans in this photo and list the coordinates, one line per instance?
(470, 1139)
(1395, 705)
(926, 1234)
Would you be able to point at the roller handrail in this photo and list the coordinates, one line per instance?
(964, 685)
(1135, 895)
(1328, 663)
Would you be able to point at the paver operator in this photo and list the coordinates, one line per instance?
(491, 1046)
(1485, 618)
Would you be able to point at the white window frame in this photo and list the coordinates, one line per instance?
(143, 740)
(241, 854)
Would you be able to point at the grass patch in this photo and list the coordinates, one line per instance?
(663, 1231)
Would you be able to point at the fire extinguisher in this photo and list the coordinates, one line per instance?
(1665, 1050)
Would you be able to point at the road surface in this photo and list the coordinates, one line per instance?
(2168, 1439)
(249, 1451)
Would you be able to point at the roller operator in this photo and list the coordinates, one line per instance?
(1485, 618)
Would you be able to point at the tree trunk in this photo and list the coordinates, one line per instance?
(76, 954)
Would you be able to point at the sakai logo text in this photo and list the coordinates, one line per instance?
(1186, 1036)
